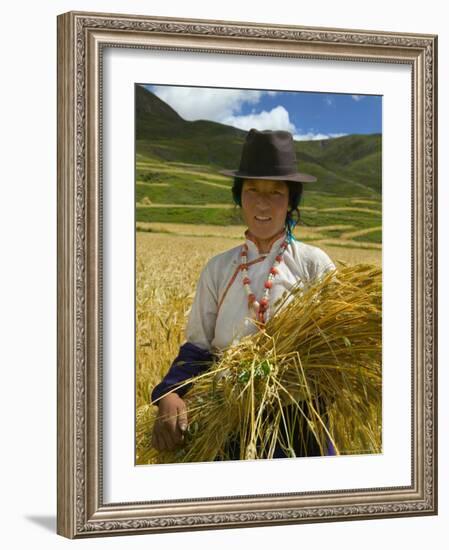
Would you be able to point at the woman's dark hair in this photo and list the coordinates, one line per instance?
(294, 198)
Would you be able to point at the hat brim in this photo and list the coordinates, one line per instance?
(296, 177)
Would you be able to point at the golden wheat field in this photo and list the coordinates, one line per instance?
(167, 270)
(169, 259)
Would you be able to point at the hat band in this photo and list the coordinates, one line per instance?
(276, 170)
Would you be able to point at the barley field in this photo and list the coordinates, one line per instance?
(167, 270)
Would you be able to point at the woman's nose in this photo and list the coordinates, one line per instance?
(262, 202)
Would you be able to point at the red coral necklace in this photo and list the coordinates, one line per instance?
(260, 308)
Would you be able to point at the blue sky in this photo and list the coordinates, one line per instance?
(307, 115)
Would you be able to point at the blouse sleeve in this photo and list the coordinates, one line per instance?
(200, 329)
(322, 265)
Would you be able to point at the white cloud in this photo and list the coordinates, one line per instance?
(276, 119)
(214, 104)
(357, 97)
(315, 136)
(223, 106)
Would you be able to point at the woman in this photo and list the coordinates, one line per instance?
(243, 285)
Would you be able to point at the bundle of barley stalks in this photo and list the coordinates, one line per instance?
(320, 354)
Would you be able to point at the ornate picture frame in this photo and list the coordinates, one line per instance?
(82, 40)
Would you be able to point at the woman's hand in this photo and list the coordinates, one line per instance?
(170, 424)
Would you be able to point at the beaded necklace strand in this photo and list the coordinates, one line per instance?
(260, 308)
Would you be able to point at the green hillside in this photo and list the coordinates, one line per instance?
(177, 178)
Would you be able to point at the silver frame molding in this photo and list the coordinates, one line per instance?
(81, 39)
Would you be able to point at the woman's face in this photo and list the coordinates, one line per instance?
(265, 206)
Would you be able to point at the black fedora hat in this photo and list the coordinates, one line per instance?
(269, 155)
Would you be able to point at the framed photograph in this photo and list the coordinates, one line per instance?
(276, 176)
(186, 204)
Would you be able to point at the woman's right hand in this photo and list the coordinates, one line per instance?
(170, 424)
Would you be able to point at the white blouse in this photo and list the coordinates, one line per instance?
(220, 316)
